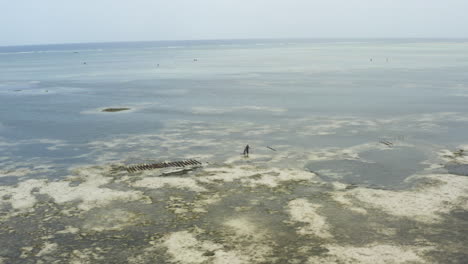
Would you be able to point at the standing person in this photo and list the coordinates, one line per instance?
(246, 151)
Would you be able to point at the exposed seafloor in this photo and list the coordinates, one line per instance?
(352, 160)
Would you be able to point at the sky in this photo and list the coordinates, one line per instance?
(27, 22)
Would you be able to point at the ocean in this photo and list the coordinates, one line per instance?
(358, 152)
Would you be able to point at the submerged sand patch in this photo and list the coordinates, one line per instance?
(88, 194)
(21, 197)
(426, 203)
(171, 182)
(48, 248)
(249, 238)
(184, 247)
(370, 254)
(253, 176)
(304, 211)
(241, 241)
(344, 200)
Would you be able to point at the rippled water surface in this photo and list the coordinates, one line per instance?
(358, 152)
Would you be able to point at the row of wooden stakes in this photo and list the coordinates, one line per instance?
(160, 165)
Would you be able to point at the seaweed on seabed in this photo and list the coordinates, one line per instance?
(459, 153)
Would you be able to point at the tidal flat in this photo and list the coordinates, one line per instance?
(264, 208)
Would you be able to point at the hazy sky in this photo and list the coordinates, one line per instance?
(70, 21)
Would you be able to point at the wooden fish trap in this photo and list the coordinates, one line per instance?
(161, 165)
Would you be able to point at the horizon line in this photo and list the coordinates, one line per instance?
(237, 39)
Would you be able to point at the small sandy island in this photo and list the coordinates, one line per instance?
(115, 109)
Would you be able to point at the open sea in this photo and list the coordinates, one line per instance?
(358, 152)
